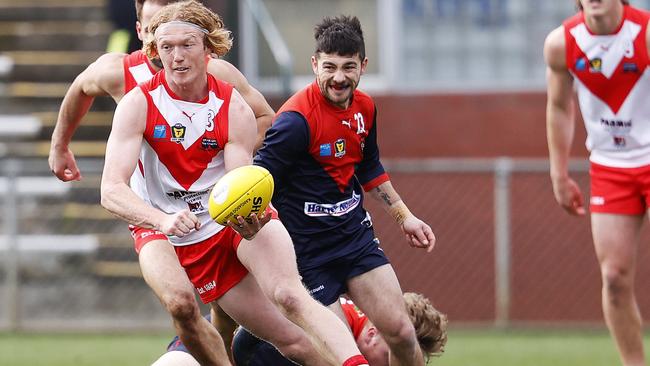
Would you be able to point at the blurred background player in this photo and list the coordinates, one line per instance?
(248, 350)
(124, 37)
(603, 52)
(322, 151)
(114, 74)
(181, 132)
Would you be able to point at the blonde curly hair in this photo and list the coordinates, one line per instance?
(430, 324)
(218, 39)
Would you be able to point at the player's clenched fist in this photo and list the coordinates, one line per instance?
(180, 223)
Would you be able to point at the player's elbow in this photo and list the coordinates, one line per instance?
(108, 192)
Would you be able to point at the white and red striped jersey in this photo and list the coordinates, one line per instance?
(182, 152)
(137, 69)
(612, 81)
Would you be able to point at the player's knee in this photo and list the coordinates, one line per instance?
(617, 280)
(288, 299)
(400, 332)
(182, 306)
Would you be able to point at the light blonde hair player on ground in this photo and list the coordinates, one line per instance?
(108, 76)
(603, 52)
(182, 131)
(430, 328)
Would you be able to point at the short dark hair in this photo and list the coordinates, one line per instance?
(341, 35)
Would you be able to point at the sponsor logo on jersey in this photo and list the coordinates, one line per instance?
(178, 133)
(159, 131)
(207, 144)
(325, 150)
(619, 141)
(616, 125)
(189, 116)
(332, 209)
(581, 64)
(367, 221)
(630, 67)
(196, 206)
(339, 148)
(596, 65)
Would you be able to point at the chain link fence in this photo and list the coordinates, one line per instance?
(506, 253)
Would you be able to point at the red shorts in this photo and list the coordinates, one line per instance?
(620, 190)
(142, 236)
(212, 265)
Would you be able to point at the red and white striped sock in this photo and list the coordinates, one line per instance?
(357, 360)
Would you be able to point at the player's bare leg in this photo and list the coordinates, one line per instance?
(615, 240)
(164, 274)
(270, 257)
(378, 294)
(225, 326)
(254, 311)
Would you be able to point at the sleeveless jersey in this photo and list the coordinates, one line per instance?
(137, 70)
(613, 83)
(182, 152)
(322, 159)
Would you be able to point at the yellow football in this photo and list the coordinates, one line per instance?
(242, 191)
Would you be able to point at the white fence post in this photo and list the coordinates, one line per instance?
(502, 172)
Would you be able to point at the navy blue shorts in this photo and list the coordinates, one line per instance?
(327, 282)
(248, 350)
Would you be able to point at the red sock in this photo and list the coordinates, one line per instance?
(357, 360)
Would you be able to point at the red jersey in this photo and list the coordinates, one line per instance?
(355, 317)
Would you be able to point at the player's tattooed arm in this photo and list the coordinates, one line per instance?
(386, 194)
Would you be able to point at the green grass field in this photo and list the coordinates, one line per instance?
(465, 347)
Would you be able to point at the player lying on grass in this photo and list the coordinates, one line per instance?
(248, 350)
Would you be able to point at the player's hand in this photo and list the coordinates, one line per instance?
(249, 227)
(418, 233)
(63, 164)
(180, 223)
(568, 195)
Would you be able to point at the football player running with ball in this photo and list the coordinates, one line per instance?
(158, 130)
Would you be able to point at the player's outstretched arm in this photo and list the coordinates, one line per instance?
(102, 77)
(225, 71)
(418, 233)
(560, 123)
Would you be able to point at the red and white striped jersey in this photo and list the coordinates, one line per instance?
(612, 81)
(137, 69)
(182, 152)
